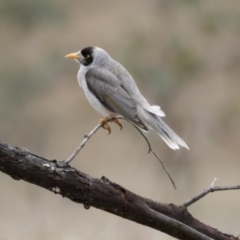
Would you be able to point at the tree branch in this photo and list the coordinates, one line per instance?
(89, 135)
(62, 179)
(211, 188)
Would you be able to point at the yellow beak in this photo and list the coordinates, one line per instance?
(72, 55)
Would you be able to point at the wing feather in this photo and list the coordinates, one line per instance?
(108, 89)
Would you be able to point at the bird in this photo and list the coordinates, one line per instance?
(113, 93)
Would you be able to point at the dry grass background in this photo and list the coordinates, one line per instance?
(184, 56)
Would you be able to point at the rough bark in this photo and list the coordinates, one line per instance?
(103, 194)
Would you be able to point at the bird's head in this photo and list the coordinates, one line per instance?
(89, 55)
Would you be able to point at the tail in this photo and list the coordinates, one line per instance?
(163, 130)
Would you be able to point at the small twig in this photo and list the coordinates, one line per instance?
(213, 183)
(85, 139)
(147, 141)
(88, 136)
(211, 188)
(159, 159)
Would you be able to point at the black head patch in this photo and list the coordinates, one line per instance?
(87, 54)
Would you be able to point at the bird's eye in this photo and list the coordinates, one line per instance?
(87, 56)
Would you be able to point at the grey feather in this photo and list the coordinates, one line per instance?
(108, 89)
(167, 134)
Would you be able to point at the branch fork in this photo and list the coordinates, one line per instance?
(106, 120)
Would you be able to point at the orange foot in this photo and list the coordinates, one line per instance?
(117, 122)
(105, 125)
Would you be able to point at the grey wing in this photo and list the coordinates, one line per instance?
(108, 89)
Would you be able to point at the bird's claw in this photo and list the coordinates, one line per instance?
(105, 125)
(118, 123)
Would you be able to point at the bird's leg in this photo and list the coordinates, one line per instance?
(117, 122)
(105, 125)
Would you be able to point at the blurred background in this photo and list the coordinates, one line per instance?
(184, 56)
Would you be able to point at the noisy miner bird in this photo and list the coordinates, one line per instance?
(112, 92)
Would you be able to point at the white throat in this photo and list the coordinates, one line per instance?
(81, 74)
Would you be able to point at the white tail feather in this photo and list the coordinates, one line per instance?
(156, 110)
(168, 135)
(154, 121)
